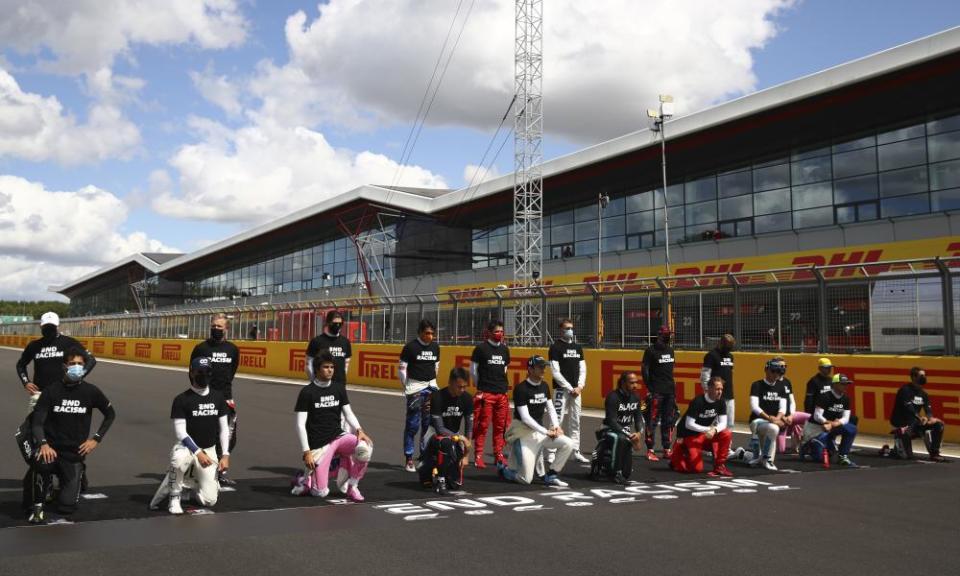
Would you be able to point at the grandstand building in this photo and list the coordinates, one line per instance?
(857, 163)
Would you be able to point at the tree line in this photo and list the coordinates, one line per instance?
(33, 309)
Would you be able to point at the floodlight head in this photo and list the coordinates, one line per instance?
(666, 109)
(651, 113)
(665, 98)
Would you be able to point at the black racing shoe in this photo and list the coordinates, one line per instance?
(225, 480)
(36, 515)
(619, 478)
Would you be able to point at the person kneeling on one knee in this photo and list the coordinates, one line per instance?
(527, 436)
(445, 449)
(622, 431)
(199, 417)
(704, 424)
(831, 418)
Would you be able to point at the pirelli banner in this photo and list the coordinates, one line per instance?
(876, 378)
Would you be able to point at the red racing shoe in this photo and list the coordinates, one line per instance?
(720, 471)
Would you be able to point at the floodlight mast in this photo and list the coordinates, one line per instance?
(528, 176)
(659, 118)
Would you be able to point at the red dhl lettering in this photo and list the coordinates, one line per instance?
(141, 350)
(298, 360)
(120, 348)
(170, 352)
(378, 365)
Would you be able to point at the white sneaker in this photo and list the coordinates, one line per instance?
(319, 493)
(769, 465)
(554, 480)
(580, 458)
(174, 506)
(736, 454)
(298, 490)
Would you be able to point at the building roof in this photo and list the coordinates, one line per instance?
(428, 201)
(150, 261)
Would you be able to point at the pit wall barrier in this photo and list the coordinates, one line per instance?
(876, 378)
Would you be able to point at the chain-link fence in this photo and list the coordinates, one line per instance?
(883, 307)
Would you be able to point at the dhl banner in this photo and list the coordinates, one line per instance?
(876, 378)
(947, 246)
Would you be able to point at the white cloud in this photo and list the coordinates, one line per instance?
(87, 35)
(217, 90)
(474, 175)
(264, 170)
(47, 237)
(605, 62)
(36, 128)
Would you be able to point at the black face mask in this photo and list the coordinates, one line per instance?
(200, 380)
(665, 340)
(334, 328)
(921, 380)
(216, 333)
(48, 331)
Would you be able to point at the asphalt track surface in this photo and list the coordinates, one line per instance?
(888, 517)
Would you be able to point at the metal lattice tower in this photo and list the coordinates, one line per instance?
(528, 178)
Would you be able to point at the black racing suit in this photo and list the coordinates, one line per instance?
(614, 452)
(658, 361)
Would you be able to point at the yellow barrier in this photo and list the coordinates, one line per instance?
(876, 378)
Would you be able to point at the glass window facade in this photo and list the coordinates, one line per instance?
(895, 171)
(326, 264)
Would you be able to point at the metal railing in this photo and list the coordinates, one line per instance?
(904, 306)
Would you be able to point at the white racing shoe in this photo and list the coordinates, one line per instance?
(174, 505)
(579, 457)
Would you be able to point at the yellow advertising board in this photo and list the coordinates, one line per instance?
(947, 246)
(876, 378)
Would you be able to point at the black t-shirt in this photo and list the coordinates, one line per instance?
(421, 360)
(323, 407)
(815, 387)
(69, 412)
(906, 408)
(788, 390)
(568, 355)
(534, 397)
(658, 363)
(833, 407)
(224, 360)
(339, 347)
(622, 412)
(47, 357)
(721, 364)
(769, 396)
(451, 409)
(492, 362)
(202, 414)
(703, 412)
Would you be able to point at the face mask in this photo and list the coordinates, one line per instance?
(921, 380)
(75, 373)
(200, 380)
(216, 333)
(497, 336)
(334, 328)
(48, 330)
(568, 333)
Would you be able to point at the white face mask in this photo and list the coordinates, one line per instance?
(568, 333)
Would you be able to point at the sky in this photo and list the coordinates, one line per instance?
(166, 125)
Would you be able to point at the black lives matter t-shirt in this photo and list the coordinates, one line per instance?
(906, 408)
(224, 361)
(47, 357)
(339, 347)
(833, 407)
(534, 397)
(323, 406)
(451, 409)
(622, 412)
(492, 362)
(202, 414)
(704, 413)
(421, 360)
(769, 396)
(568, 355)
(69, 412)
(721, 364)
(658, 364)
